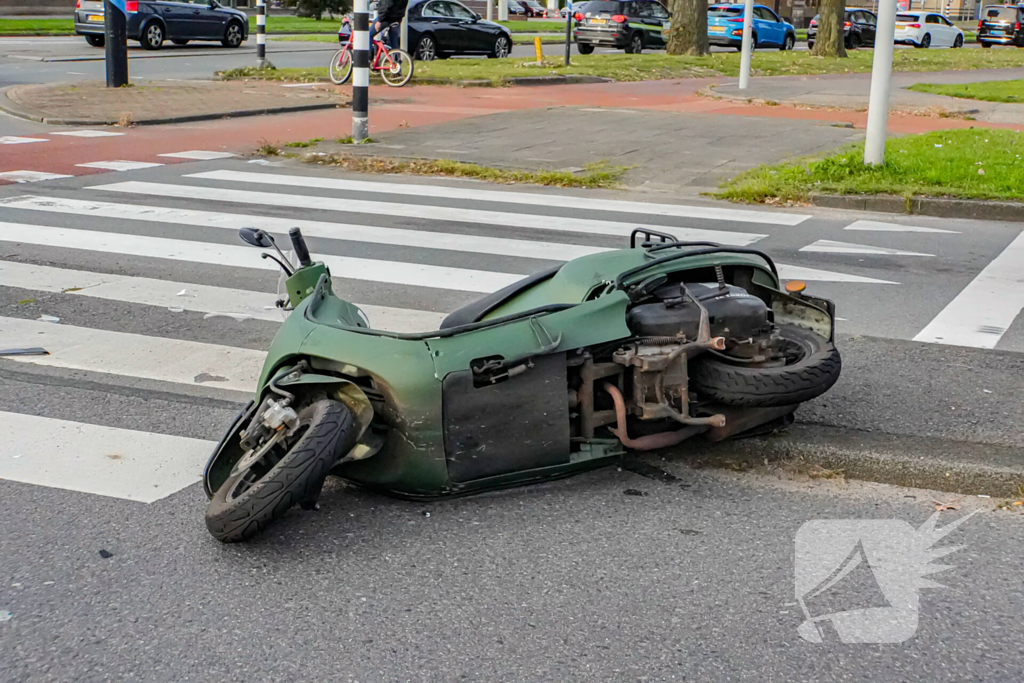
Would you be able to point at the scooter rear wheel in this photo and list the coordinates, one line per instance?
(293, 472)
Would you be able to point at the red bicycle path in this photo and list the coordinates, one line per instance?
(414, 106)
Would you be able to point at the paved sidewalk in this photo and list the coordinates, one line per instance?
(92, 103)
(851, 92)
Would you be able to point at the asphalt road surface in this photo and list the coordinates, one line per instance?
(155, 316)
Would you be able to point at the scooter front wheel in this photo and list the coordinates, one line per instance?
(290, 472)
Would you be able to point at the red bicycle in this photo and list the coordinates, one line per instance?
(394, 66)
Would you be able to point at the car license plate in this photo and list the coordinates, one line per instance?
(598, 21)
(716, 29)
(997, 33)
(95, 17)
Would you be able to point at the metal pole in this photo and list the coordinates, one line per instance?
(747, 48)
(490, 10)
(881, 69)
(568, 30)
(502, 10)
(361, 71)
(115, 28)
(403, 42)
(261, 34)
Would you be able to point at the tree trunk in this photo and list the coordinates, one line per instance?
(830, 41)
(688, 34)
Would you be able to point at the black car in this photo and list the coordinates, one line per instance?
(859, 27)
(1001, 25)
(441, 28)
(152, 22)
(629, 25)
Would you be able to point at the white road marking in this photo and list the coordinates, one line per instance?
(787, 272)
(119, 165)
(391, 272)
(87, 133)
(16, 140)
(30, 176)
(106, 461)
(135, 355)
(528, 198)
(985, 309)
(198, 155)
(425, 239)
(833, 247)
(421, 211)
(878, 226)
(201, 298)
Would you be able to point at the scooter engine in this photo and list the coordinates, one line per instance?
(733, 313)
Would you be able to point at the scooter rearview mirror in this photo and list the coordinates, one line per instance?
(256, 237)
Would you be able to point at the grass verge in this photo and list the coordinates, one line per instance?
(965, 164)
(989, 91)
(599, 174)
(655, 66)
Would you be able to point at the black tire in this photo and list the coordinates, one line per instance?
(959, 41)
(811, 375)
(502, 48)
(788, 43)
(853, 42)
(585, 48)
(179, 41)
(95, 39)
(636, 43)
(234, 35)
(298, 476)
(926, 41)
(810, 44)
(152, 35)
(984, 44)
(426, 49)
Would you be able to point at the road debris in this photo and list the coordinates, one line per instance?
(942, 507)
(106, 554)
(49, 319)
(634, 492)
(27, 351)
(5, 616)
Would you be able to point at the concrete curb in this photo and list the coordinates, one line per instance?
(978, 209)
(918, 462)
(10, 107)
(568, 79)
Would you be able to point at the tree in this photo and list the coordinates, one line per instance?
(830, 41)
(317, 8)
(688, 34)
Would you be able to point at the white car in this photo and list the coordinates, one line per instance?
(927, 29)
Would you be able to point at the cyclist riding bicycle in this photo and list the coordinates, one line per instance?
(389, 13)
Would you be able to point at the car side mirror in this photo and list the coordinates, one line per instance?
(256, 237)
(478, 17)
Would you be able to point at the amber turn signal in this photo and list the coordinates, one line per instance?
(796, 286)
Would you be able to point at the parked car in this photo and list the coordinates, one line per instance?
(577, 8)
(151, 22)
(927, 29)
(533, 8)
(725, 27)
(859, 28)
(631, 25)
(439, 29)
(516, 10)
(1001, 25)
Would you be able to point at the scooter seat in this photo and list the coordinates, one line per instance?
(476, 311)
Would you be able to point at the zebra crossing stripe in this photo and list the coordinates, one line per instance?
(107, 461)
(119, 165)
(422, 211)
(499, 246)
(189, 296)
(135, 355)
(511, 197)
(372, 270)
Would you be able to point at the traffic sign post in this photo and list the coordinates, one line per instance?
(881, 70)
(568, 30)
(115, 26)
(747, 44)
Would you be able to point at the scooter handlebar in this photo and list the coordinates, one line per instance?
(299, 245)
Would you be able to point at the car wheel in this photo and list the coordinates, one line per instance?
(501, 48)
(152, 35)
(179, 41)
(853, 42)
(95, 39)
(926, 41)
(983, 44)
(636, 44)
(959, 42)
(426, 49)
(232, 35)
(584, 48)
(789, 43)
(810, 44)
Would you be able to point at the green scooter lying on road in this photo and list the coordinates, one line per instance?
(637, 348)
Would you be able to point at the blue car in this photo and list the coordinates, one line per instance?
(725, 27)
(151, 22)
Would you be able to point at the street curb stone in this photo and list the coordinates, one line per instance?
(977, 209)
(9, 106)
(919, 462)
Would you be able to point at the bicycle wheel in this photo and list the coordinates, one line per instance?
(341, 66)
(396, 68)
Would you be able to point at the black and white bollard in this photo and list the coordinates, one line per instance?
(361, 71)
(261, 34)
